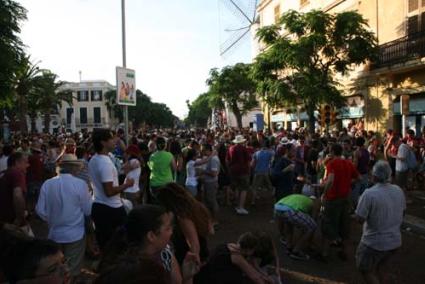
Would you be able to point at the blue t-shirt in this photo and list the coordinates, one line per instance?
(262, 161)
(282, 180)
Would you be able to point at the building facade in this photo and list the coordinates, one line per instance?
(374, 91)
(89, 108)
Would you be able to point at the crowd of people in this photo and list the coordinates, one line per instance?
(147, 208)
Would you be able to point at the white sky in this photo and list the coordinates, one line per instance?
(172, 44)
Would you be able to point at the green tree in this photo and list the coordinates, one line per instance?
(304, 52)
(199, 111)
(234, 86)
(49, 94)
(114, 109)
(24, 82)
(11, 15)
(145, 111)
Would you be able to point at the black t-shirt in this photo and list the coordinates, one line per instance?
(220, 269)
(313, 156)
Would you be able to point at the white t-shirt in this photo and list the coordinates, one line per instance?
(102, 170)
(191, 179)
(403, 152)
(135, 175)
(382, 206)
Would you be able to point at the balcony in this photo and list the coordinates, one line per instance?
(401, 50)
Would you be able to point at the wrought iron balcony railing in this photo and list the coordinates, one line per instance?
(401, 50)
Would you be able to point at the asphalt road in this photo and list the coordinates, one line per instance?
(408, 266)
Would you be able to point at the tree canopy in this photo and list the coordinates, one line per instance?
(234, 86)
(11, 16)
(199, 111)
(145, 111)
(304, 52)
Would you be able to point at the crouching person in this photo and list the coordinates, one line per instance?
(294, 211)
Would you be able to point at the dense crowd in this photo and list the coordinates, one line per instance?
(146, 209)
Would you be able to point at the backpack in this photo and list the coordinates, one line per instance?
(411, 159)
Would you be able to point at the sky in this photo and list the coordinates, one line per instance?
(172, 44)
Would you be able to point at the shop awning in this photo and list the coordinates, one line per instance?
(350, 112)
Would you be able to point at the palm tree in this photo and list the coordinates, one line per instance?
(49, 95)
(24, 82)
(114, 109)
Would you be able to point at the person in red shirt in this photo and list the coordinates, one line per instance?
(336, 201)
(238, 162)
(34, 174)
(13, 189)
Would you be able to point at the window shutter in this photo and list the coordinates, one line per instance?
(412, 25)
(413, 5)
(423, 21)
(276, 13)
(303, 2)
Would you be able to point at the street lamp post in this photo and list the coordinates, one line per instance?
(124, 64)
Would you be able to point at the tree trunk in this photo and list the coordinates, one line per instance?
(311, 119)
(47, 122)
(238, 117)
(23, 118)
(33, 123)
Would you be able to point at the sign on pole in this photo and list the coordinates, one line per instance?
(126, 86)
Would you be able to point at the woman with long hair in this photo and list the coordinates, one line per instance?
(146, 235)
(193, 221)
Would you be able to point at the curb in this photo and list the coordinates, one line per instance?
(414, 224)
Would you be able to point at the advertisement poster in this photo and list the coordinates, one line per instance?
(126, 86)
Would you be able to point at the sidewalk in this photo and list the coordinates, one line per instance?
(414, 219)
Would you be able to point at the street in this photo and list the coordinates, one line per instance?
(406, 267)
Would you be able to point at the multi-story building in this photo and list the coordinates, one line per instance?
(89, 107)
(374, 91)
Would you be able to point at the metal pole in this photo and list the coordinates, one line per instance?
(124, 64)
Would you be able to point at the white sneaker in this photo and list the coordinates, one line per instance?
(241, 211)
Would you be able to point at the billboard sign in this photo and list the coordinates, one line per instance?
(126, 86)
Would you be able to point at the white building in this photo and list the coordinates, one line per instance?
(247, 119)
(88, 109)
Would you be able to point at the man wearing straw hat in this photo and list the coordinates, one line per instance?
(238, 161)
(63, 203)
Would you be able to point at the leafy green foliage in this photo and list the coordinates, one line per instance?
(112, 106)
(11, 15)
(145, 111)
(24, 85)
(199, 110)
(304, 52)
(151, 113)
(234, 86)
(48, 95)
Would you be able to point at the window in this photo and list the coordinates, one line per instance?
(413, 5)
(97, 115)
(96, 95)
(83, 96)
(69, 112)
(304, 2)
(415, 16)
(83, 115)
(276, 13)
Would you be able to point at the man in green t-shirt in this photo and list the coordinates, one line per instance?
(162, 166)
(295, 211)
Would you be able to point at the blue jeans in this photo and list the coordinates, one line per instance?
(193, 189)
(359, 187)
